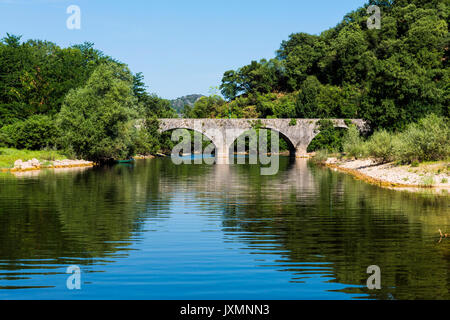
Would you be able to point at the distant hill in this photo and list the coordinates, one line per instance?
(179, 103)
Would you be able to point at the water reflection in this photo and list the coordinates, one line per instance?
(196, 231)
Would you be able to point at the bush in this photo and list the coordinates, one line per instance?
(35, 133)
(427, 181)
(428, 140)
(5, 140)
(353, 144)
(321, 156)
(382, 145)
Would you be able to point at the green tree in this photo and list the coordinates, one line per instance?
(97, 120)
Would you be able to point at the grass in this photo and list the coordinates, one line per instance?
(8, 156)
(427, 181)
(321, 156)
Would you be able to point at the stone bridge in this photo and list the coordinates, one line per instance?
(223, 132)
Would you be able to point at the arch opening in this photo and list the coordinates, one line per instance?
(286, 147)
(196, 141)
(329, 138)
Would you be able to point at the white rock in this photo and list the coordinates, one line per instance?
(18, 163)
(34, 162)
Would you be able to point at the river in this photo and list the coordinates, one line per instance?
(155, 230)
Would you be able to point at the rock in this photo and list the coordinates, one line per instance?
(34, 163)
(25, 165)
(18, 163)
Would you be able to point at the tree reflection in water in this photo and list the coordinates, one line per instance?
(318, 222)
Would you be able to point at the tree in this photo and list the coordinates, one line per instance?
(97, 119)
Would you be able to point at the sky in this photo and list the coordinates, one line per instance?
(182, 47)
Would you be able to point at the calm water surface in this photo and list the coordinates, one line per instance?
(155, 230)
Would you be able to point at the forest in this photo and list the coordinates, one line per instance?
(79, 100)
(75, 99)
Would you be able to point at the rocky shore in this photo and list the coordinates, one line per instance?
(433, 175)
(34, 164)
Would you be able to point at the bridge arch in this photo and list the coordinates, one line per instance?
(223, 132)
(284, 137)
(190, 129)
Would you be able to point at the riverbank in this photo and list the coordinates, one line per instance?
(432, 175)
(34, 164)
(13, 160)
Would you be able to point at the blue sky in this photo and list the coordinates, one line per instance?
(181, 46)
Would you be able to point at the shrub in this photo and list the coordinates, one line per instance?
(35, 133)
(353, 144)
(427, 181)
(415, 164)
(428, 140)
(381, 146)
(321, 156)
(5, 140)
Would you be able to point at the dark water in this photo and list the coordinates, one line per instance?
(159, 231)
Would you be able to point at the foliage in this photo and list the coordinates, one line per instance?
(427, 181)
(321, 156)
(381, 146)
(207, 107)
(429, 139)
(353, 144)
(34, 133)
(38, 76)
(147, 139)
(329, 138)
(96, 120)
(426, 140)
(389, 77)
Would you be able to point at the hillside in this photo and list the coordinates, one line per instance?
(179, 103)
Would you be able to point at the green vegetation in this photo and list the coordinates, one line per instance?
(329, 138)
(97, 120)
(426, 140)
(34, 133)
(76, 100)
(321, 156)
(427, 181)
(8, 156)
(390, 77)
(381, 146)
(353, 144)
